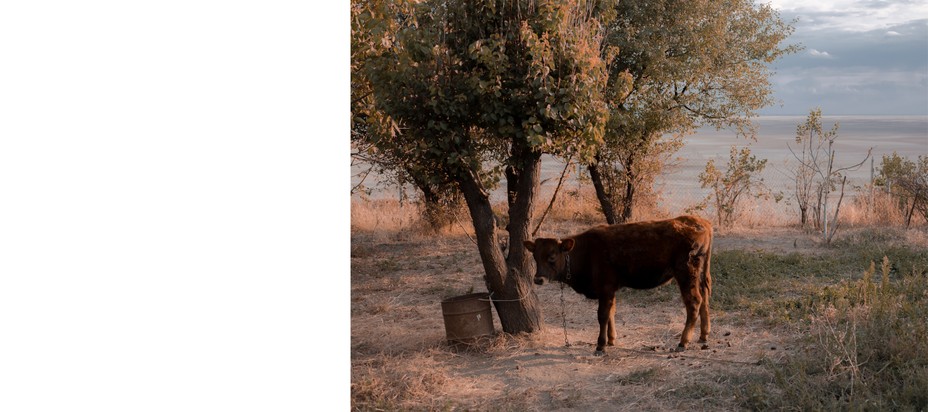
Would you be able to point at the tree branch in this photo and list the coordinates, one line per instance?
(553, 197)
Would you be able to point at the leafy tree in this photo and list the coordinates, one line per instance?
(728, 186)
(811, 138)
(907, 181)
(474, 91)
(679, 64)
(374, 25)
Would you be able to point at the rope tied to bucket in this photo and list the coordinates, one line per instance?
(491, 300)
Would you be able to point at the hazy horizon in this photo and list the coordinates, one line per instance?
(904, 134)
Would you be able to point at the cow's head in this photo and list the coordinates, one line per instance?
(550, 258)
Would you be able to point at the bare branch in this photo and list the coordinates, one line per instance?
(366, 174)
(857, 166)
(554, 196)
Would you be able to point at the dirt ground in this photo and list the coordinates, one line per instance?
(400, 358)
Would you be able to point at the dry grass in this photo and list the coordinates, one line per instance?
(398, 382)
(389, 217)
(880, 209)
(402, 270)
(384, 215)
(575, 209)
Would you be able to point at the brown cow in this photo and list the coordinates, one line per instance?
(643, 255)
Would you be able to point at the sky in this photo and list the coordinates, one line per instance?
(860, 57)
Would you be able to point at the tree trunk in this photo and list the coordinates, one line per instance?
(627, 202)
(432, 202)
(817, 212)
(629, 199)
(834, 220)
(803, 216)
(908, 216)
(605, 199)
(508, 279)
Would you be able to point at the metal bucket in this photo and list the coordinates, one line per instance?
(467, 318)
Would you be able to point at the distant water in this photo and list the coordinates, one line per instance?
(906, 135)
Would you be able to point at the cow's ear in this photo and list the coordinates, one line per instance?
(567, 245)
(529, 245)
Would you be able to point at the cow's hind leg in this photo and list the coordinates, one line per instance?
(692, 299)
(606, 309)
(704, 324)
(705, 286)
(611, 341)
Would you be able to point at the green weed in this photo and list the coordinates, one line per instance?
(867, 346)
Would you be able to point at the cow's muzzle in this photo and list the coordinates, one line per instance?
(539, 280)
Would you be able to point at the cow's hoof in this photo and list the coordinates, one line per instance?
(599, 353)
(680, 348)
(610, 344)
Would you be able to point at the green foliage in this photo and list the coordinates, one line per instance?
(466, 80)
(480, 88)
(907, 181)
(374, 27)
(728, 186)
(678, 65)
(684, 63)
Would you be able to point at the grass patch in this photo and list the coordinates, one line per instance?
(862, 304)
(867, 347)
(784, 287)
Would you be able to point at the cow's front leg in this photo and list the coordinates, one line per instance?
(606, 308)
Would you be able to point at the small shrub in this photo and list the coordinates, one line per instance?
(728, 186)
(907, 182)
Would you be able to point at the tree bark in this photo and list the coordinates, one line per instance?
(527, 178)
(629, 199)
(604, 197)
(834, 222)
(908, 216)
(431, 201)
(508, 279)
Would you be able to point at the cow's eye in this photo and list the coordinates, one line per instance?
(551, 260)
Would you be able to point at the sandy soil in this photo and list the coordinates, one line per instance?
(400, 359)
